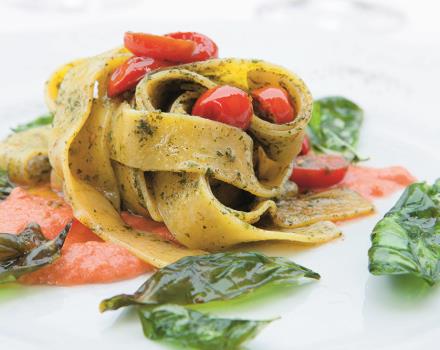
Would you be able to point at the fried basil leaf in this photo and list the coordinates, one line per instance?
(6, 186)
(40, 121)
(27, 251)
(407, 239)
(194, 329)
(335, 126)
(214, 277)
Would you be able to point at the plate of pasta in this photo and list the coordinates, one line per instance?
(173, 198)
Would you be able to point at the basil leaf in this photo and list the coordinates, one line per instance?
(6, 186)
(220, 276)
(407, 239)
(335, 126)
(194, 329)
(27, 251)
(40, 121)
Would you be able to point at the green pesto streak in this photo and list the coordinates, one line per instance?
(5, 185)
(407, 239)
(204, 279)
(335, 126)
(40, 121)
(27, 251)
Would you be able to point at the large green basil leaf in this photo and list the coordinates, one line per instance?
(40, 121)
(27, 251)
(194, 329)
(407, 239)
(220, 276)
(335, 126)
(5, 185)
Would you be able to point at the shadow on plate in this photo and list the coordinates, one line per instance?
(10, 291)
(402, 292)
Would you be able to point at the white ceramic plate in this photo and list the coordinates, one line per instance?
(348, 308)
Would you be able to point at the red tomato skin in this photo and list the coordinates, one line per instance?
(225, 104)
(146, 224)
(205, 49)
(305, 146)
(159, 47)
(131, 72)
(179, 47)
(318, 171)
(275, 104)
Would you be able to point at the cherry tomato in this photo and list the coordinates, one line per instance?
(205, 47)
(305, 146)
(131, 72)
(225, 104)
(176, 47)
(159, 46)
(316, 171)
(275, 104)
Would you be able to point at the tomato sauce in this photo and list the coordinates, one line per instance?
(377, 182)
(85, 258)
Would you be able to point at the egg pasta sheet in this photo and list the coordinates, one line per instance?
(213, 185)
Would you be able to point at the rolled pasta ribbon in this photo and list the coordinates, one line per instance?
(151, 156)
(183, 152)
(53, 84)
(79, 153)
(215, 226)
(24, 156)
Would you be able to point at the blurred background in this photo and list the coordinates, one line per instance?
(386, 17)
(383, 54)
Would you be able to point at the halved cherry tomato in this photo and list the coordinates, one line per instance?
(317, 171)
(131, 72)
(225, 104)
(176, 47)
(305, 146)
(274, 103)
(205, 47)
(159, 46)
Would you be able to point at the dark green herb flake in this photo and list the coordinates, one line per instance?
(145, 129)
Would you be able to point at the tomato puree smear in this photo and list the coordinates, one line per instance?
(85, 258)
(377, 182)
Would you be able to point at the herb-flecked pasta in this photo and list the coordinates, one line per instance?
(145, 152)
